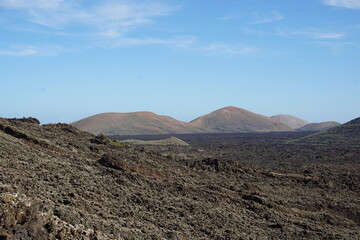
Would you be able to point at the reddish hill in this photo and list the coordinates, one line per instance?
(225, 120)
(233, 119)
(137, 123)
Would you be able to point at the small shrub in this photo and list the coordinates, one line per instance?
(115, 143)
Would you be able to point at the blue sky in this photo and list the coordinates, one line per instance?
(63, 60)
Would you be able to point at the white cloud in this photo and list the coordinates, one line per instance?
(333, 44)
(176, 42)
(328, 36)
(336, 46)
(257, 17)
(267, 18)
(228, 49)
(230, 17)
(29, 50)
(190, 44)
(280, 33)
(316, 34)
(109, 18)
(353, 4)
(21, 52)
(311, 33)
(107, 23)
(354, 26)
(255, 32)
(31, 4)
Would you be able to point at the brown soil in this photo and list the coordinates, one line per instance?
(58, 182)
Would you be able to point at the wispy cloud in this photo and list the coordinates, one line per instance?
(257, 18)
(316, 34)
(176, 42)
(310, 33)
(230, 17)
(109, 18)
(334, 44)
(353, 4)
(40, 4)
(354, 26)
(18, 52)
(335, 47)
(107, 24)
(267, 18)
(227, 49)
(256, 32)
(191, 44)
(29, 50)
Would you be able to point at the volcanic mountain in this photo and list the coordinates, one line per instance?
(136, 123)
(348, 133)
(317, 127)
(225, 120)
(291, 121)
(233, 119)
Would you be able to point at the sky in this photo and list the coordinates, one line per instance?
(63, 60)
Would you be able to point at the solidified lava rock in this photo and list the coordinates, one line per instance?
(100, 139)
(215, 163)
(26, 120)
(112, 162)
(354, 121)
(57, 182)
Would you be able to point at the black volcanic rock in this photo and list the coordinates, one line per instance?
(26, 120)
(354, 121)
(56, 182)
(100, 139)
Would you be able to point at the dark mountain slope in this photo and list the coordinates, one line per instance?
(346, 134)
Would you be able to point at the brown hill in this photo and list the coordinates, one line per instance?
(233, 119)
(225, 120)
(291, 121)
(136, 123)
(317, 127)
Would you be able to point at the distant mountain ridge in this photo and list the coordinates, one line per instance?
(291, 121)
(224, 120)
(317, 127)
(345, 134)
